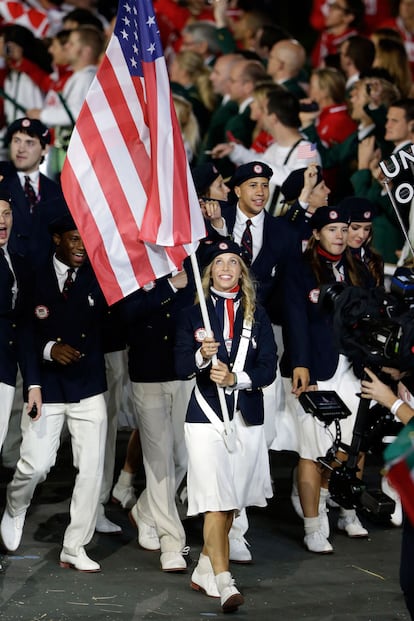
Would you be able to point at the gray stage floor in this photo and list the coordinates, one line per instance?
(286, 583)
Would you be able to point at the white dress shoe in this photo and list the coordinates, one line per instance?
(173, 561)
(352, 526)
(105, 526)
(239, 552)
(230, 596)
(124, 495)
(11, 529)
(80, 561)
(318, 543)
(147, 535)
(204, 581)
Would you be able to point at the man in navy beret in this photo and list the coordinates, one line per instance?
(37, 200)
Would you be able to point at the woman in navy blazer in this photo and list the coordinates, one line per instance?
(313, 360)
(222, 479)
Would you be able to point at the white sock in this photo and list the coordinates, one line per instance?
(347, 513)
(204, 564)
(311, 525)
(125, 478)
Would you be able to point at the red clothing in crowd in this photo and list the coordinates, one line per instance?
(376, 11)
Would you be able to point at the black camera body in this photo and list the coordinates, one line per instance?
(373, 329)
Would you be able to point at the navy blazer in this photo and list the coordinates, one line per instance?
(260, 362)
(9, 318)
(308, 329)
(30, 236)
(76, 322)
(149, 316)
(280, 245)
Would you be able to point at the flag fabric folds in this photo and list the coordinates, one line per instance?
(34, 19)
(126, 178)
(399, 462)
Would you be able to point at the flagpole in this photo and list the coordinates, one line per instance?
(207, 326)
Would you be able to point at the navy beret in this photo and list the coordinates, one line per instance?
(360, 209)
(293, 184)
(63, 224)
(211, 251)
(203, 176)
(250, 171)
(33, 127)
(329, 215)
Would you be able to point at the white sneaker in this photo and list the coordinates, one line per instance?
(316, 542)
(147, 535)
(352, 526)
(204, 582)
(80, 561)
(239, 552)
(11, 529)
(230, 596)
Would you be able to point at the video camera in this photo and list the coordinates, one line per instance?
(373, 329)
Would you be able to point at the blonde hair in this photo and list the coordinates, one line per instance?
(247, 288)
(188, 123)
(193, 64)
(332, 81)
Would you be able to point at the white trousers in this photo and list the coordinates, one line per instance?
(6, 403)
(160, 409)
(116, 364)
(86, 422)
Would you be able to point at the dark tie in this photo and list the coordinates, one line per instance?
(30, 193)
(68, 283)
(247, 244)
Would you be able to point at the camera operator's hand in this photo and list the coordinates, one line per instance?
(300, 380)
(377, 390)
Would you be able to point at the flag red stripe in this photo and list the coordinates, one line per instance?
(114, 193)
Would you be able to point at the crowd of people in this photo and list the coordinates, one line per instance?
(286, 146)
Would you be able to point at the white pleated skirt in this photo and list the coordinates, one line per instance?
(218, 480)
(301, 432)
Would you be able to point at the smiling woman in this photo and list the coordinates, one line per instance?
(240, 367)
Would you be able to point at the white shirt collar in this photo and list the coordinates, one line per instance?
(255, 220)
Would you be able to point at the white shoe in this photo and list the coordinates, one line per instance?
(147, 535)
(352, 526)
(204, 582)
(230, 596)
(105, 526)
(316, 542)
(124, 495)
(239, 552)
(11, 529)
(80, 561)
(173, 561)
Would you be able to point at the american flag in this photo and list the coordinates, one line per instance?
(307, 151)
(126, 177)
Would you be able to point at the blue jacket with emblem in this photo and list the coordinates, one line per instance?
(260, 363)
(76, 321)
